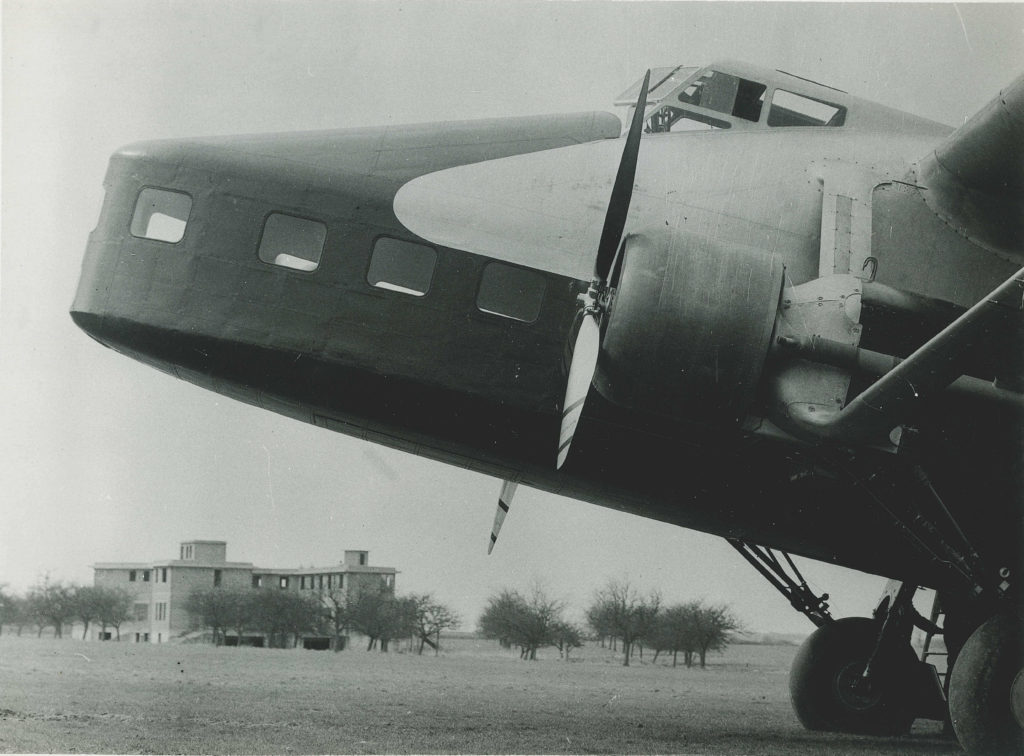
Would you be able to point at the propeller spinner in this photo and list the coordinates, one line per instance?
(588, 340)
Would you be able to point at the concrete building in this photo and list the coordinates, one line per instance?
(160, 588)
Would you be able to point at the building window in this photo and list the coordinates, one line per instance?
(257, 581)
(389, 581)
(282, 582)
(362, 559)
(160, 611)
(145, 576)
(511, 292)
(162, 572)
(320, 581)
(401, 266)
(296, 243)
(141, 612)
(131, 576)
(790, 109)
(161, 215)
(216, 578)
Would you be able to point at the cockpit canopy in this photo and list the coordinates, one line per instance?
(725, 96)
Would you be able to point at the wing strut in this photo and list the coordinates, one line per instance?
(793, 587)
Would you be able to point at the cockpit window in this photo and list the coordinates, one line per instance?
(725, 93)
(291, 242)
(790, 109)
(161, 215)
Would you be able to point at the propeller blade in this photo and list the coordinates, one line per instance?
(622, 190)
(508, 490)
(581, 373)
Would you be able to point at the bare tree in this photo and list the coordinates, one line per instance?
(336, 614)
(216, 609)
(115, 608)
(8, 607)
(86, 605)
(712, 626)
(599, 621)
(15, 611)
(431, 617)
(567, 636)
(51, 604)
(673, 631)
(625, 613)
(381, 617)
(285, 616)
(529, 623)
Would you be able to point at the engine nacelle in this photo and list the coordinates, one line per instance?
(689, 326)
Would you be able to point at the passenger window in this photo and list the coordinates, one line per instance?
(291, 242)
(161, 214)
(510, 292)
(401, 266)
(719, 91)
(790, 109)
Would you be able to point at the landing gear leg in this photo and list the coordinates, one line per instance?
(829, 690)
(861, 675)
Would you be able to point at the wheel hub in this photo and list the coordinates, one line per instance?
(854, 690)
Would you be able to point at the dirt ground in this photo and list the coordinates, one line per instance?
(73, 696)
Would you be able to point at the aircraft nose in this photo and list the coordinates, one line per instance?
(141, 229)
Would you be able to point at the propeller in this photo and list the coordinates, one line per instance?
(508, 490)
(595, 301)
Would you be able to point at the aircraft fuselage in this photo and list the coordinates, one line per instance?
(434, 373)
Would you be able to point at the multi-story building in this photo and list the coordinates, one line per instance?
(160, 589)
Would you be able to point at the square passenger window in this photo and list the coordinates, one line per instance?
(790, 109)
(403, 266)
(161, 215)
(292, 242)
(511, 292)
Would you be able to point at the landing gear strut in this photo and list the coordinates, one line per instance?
(862, 675)
(830, 692)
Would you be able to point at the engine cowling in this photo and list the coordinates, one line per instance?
(688, 327)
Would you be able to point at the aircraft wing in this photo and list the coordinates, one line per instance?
(975, 178)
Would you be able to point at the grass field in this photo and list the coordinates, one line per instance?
(72, 696)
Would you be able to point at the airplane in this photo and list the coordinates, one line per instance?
(767, 310)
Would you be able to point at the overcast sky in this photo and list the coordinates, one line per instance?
(104, 459)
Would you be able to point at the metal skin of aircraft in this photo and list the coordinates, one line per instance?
(772, 312)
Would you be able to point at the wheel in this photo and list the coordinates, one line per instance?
(828, 692)
(985, 688)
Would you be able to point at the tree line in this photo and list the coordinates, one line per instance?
(57, 605)
(618, 616)
(283, 617)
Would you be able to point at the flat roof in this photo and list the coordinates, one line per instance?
(333, 569)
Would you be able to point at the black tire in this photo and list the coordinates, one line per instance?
(830, 661)
(981, 689)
